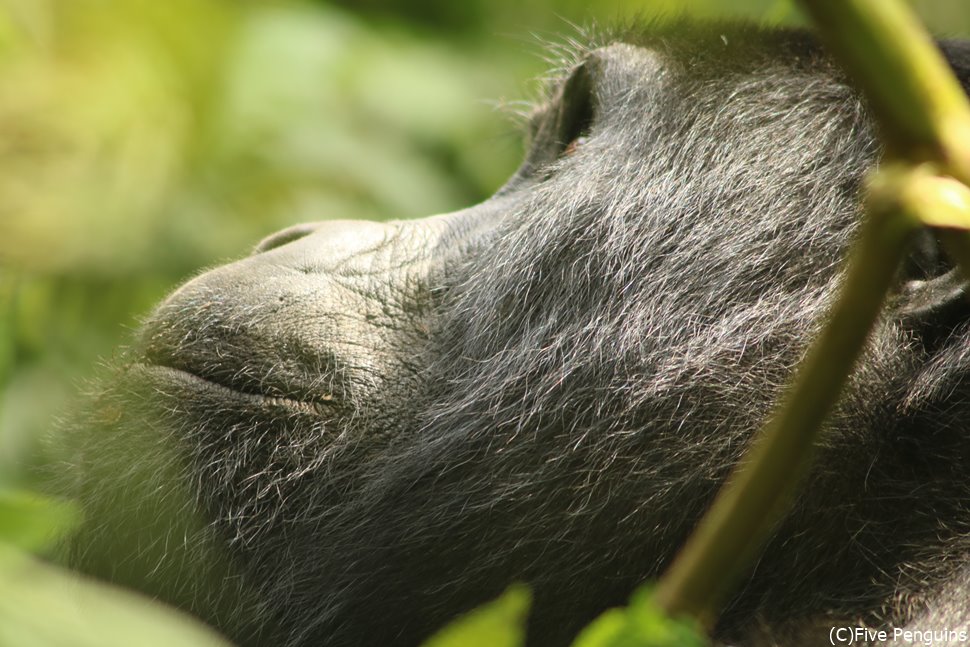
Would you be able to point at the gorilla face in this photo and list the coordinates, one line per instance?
(363, 429)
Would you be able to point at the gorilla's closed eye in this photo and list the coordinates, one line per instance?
(560, 127)
(575, 115)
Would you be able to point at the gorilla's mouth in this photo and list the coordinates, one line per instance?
(185, 387)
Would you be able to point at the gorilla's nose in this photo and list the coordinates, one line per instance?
(285, 236)
(297, 319)
(325, 246)
(316, 306)
(427, 240)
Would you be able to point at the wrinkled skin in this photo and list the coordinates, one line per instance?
(361, 430)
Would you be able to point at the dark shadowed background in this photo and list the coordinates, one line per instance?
(141, 141)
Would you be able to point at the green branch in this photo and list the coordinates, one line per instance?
(923, 112)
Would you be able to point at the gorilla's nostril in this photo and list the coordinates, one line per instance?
(285, 236)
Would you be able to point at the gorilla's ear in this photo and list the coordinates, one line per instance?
(934, 299)
(933, 291)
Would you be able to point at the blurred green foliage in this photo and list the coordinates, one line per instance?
(32, 523)
(45, 606)
(500, 623)
(640, 624)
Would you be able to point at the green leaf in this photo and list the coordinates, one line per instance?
(32, 522)
(642, 624)
(500, 623)
(605, 630)
(43, 606)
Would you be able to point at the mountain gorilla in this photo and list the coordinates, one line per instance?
(363, 429)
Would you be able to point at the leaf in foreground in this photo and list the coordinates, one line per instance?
(43, 606)
(31, 522)
(500, 623)
(642, 624)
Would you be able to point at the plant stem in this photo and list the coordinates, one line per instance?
(923, 112)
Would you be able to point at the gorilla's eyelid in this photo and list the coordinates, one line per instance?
(561, 121)
(576, 106)
(285, 236)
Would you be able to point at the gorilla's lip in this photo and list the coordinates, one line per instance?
(197, 383)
